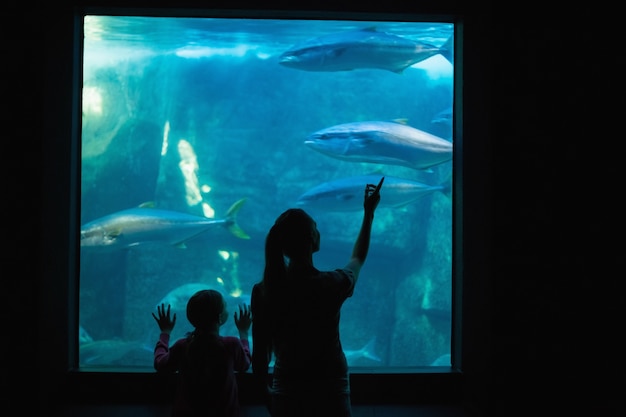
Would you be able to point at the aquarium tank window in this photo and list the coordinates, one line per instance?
(197, 132)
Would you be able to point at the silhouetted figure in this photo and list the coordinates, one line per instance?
(296, 310)
(206, 362)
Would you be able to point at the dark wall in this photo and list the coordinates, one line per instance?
(556, 298)
(542, 291)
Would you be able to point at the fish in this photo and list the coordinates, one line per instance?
(346, 194)
(363, 48)
(366, 351)
(178, 297)
(444, 117)
(141, 225)
(111, 352)
(382, 142)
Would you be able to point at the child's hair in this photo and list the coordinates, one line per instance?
(205, 367)
(204, 308)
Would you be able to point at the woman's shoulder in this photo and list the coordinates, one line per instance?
(338, 273)
(341, 279)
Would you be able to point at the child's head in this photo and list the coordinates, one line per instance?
(206, 308)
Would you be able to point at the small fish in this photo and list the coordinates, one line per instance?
(366, 351)
(382, 142)
(346, 194)
(111, 352)
(363, 48)
(136, 226)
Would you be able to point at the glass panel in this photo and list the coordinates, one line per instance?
(206, 129)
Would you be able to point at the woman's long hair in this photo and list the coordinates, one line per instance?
(290, 237)
(205, 366)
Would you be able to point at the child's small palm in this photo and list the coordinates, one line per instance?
(165, 322)
(243, 318)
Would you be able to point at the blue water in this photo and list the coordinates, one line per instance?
(192, 115)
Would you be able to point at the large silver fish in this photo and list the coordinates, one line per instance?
(364, 48)
(382, 142)
(137, 226)
(346, 194)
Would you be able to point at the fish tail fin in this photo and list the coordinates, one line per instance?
(447, 50)
(368, 350)
(231, 216)
(446, 186)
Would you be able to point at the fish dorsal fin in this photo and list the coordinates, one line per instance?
(147, 204)
(402, 121)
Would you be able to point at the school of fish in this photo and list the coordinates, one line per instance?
(387, 142)
(375, 141)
